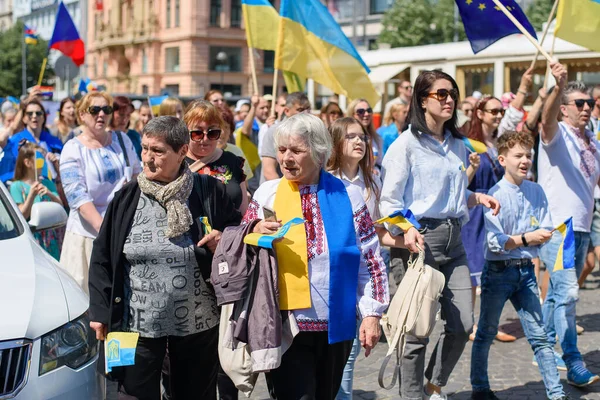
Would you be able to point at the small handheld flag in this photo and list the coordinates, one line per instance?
(155, 102)
(119, 349)
(86, 85)
(403, 219)
(474, 146)
(65, 37)
(31, 36)
(260, 240)
(565, 258)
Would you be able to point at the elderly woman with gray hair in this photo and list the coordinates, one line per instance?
(149, 266)
(329, 265)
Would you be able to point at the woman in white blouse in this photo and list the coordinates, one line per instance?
(424, 171)
(329, 264)
(94, 165)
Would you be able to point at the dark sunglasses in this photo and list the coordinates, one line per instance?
(442, 94)
(95, 110)
(32, 113)
(495, 111)
(361, 111)
(580, 102)
(336, 112)
(406, 87)
(211, 133)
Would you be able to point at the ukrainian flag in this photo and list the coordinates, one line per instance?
(260, 240)
(154, 102)
(474, 146)
(565, 258)
(312, 44)
(578, 21)
(403, 219)
(262, 23)
(119, 349)
(31, 36)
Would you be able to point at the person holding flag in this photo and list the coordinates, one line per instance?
(568, 171)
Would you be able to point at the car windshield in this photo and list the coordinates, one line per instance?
(8, 225)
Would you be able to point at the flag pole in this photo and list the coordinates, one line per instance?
(41, 77)
(550, 17)
(23, 65)
(250, 53)
(523, 30)
(275, 81)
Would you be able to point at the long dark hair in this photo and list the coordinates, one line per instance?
(338, 130)
(416, 113)
(476, 131)
(38, 103)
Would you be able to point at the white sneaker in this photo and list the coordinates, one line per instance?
(434, 396)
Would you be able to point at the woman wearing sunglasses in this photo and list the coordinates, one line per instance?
(205, 124)
(34, 120)
(360, 110)
(94, 166)
(424, 171)
(122, 110)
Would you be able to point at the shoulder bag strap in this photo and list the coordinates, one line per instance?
(122, 144)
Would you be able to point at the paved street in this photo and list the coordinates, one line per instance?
(511, 374)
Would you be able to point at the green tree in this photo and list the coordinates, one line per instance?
(443, 14)
(538, 13)
(11, 42)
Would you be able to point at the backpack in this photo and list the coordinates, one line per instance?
(413, 311)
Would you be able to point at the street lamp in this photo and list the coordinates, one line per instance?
(222, 59)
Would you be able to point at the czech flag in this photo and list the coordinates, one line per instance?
(31, 36)
(260, 240)
(474, 146)
(119, 349)
(565, 258)
(403, 219)
(65, 37)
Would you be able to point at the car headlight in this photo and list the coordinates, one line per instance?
(73, 344)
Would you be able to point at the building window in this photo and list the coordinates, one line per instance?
(168, 16)
(144, 89)
(269, 61)
(144, 61)
(236, 13)
(172, 59)
(177, 23)
(215, 12)
(228, 90)
(172, 90)
(267, 90)
(379, 6)
(233, 62)
(105, 69)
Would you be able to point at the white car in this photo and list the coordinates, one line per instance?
(47, 349)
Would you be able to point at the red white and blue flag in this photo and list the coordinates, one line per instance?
(65, 37)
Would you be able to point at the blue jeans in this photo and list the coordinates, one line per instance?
(500, 283)
(563, 293)
(345, 392)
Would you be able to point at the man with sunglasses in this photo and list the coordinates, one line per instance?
(568, 171)
(405, 91)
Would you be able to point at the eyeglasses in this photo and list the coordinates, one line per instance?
(32, 113)
(442, 94)
(352, 136)
(95, 110)
(406, 87)
(361, 111)
(211, 134)
(339, 113)
(495, 111)
(580, 102)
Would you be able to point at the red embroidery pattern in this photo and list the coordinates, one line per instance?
(312, 325)
(251, 212)
(315, 233)
(366, 229)
(374, 267)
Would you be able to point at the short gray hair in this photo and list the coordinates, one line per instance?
(299, 98)
(573, 87)
(171, 130)
(313, 132)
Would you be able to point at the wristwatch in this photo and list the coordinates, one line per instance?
(525, 244)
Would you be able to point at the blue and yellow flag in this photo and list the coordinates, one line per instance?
(578, 21)
(474, 146)
(155, 102)
(312, 45)
(485, 23)
(403, 219)
(262, 21)
(31, 36)
(119, 349)
(260, 240)
(565, 258)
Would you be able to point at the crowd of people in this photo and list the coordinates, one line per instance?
(152, 198)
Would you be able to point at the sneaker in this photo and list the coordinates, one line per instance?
(560, 363)
(487, 395)
(580, 376)
(434, 396)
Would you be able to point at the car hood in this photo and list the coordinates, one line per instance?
(36, 295)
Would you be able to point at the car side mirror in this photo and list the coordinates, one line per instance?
(47, 215)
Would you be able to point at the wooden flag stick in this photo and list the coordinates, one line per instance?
(547, 76)
(550, 17)
(41, 77)
(275, 81)
(523, 30)
(250, 54)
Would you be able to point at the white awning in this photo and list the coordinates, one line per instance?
(384, 73)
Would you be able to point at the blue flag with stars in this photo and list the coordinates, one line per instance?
(485, 23)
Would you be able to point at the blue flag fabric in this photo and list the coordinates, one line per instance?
(485, 23)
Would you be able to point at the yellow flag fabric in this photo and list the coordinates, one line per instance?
(292, 253)
(578, 21)
(293, 82)
(250, 150)
(262, 24)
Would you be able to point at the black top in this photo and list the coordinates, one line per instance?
(229, 169)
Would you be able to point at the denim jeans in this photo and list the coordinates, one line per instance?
(345, 392)
(500, 283)
(444, 251)
(563, 293)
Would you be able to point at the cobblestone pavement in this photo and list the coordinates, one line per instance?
(512, 375)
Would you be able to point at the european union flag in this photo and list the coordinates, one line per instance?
(485, 23)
